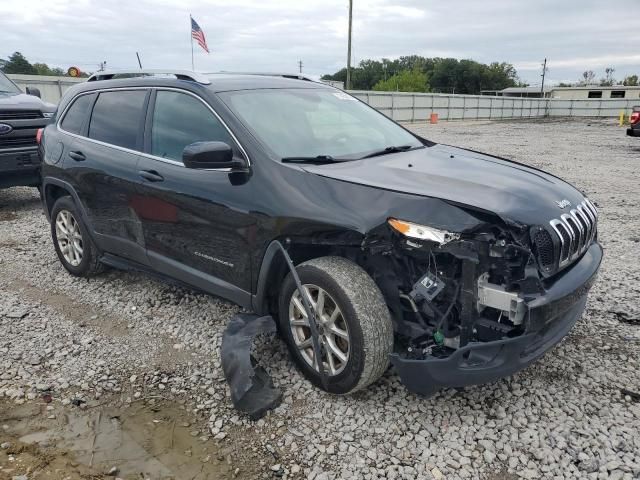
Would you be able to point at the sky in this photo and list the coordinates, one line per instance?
(273, 35)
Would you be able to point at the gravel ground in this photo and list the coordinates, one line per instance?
(123, 337)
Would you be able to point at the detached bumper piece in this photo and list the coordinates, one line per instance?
(252, 390)
(548, 319)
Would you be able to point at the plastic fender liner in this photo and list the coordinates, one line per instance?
(252, 390)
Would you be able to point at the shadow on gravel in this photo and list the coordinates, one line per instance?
(18, 199)
(139, 441)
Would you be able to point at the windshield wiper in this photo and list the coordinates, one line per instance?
(391, 149)
(319, 159)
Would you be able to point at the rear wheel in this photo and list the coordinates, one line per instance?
(71, 240)
(354, 325)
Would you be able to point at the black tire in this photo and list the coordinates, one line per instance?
(89, 264)
(365, 314)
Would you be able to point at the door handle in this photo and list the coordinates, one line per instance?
(151, 175)
(77, 156)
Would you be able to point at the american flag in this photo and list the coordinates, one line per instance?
(198, 35)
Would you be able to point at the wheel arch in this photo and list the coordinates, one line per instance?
(274, 269)
(53, 189)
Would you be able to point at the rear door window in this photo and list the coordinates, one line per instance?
(77, 113)
(117, 118)
(179, 120)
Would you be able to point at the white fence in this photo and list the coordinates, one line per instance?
(51, 88)
(414, 107)
(417, 107)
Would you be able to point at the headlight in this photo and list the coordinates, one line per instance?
(422, 232)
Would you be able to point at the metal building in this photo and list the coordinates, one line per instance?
(615, 92)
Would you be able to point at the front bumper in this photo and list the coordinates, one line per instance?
(19, 167)
(549, 319)
(633, 132)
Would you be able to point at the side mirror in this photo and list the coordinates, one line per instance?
(33, 91)
(205, 155)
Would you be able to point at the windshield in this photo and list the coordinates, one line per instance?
(7, 85)
(316, 122)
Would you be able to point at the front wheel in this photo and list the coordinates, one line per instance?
(354, 324)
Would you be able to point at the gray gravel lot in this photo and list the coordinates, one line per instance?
(124, 337)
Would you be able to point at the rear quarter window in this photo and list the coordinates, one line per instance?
(117, 118)
(77, 114)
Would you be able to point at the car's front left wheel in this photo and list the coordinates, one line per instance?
(353, 322)
(71, 240)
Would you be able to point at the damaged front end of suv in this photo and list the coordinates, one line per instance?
(473, 305)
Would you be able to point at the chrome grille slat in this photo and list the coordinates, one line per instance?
(582, 237)
(575, 230)
(587, 221)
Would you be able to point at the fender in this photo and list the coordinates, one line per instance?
(271, 263)
(46, 181)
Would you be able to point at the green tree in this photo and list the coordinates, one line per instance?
(631, 81)
(443, 74)
(608, 81)
(405, 81)
(588, 77)
(44, 69)
(18, 64)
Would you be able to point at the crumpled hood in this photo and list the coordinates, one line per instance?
(508, 189)
(22, 101)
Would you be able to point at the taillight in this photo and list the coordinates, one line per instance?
(635, 118)
(39, 135)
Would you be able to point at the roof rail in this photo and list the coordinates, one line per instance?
(295, 76)
(179, 74)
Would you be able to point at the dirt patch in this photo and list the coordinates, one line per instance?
(7, 216)
(70, 309)
(138, 441)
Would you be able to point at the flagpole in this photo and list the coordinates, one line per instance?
(193, 68)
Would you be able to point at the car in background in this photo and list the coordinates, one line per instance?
(634, 122)
(21, 116)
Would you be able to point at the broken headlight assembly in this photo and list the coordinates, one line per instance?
(422, 232)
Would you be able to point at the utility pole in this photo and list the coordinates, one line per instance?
(544, 72)
(300, 65)
(348, 86)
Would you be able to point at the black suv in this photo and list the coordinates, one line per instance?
(455, 266)
(21, 115)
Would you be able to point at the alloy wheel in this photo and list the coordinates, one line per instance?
(69, 237)
(332, 328)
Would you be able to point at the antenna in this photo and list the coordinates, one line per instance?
(139, 62)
